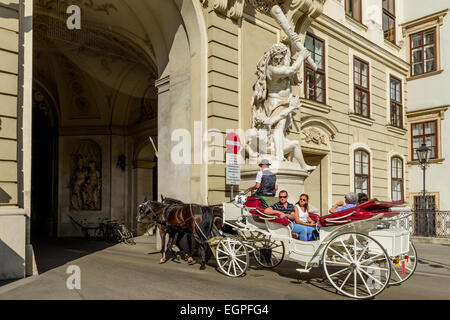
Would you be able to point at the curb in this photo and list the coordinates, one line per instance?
(431, 240)
(18, 283)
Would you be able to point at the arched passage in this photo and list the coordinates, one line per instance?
(117, 84)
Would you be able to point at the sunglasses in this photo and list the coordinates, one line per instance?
(303, 199)
(283, 197)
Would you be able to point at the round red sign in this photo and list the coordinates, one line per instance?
(233, 143)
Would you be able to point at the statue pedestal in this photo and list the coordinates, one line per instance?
(290, 177)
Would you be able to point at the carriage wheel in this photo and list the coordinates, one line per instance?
(268, 253)
(356, 265)
(232, 257)
(400, 272)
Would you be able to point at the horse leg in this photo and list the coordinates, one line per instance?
(191, 245)
(203, 254)
(202, 250)
(163, 245)
(180, 236)
(170, 242)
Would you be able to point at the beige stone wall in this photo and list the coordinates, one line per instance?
(9, 70)
(14, 249)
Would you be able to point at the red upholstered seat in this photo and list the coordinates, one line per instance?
(364, 211)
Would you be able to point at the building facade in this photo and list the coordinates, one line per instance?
(427, 32)
(78, 105)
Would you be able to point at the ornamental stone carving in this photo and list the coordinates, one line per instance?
(315, 136)
(296, 10)
(86, 179)
(264, 6)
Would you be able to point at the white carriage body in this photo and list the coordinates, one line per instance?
(394, 241)
(364, 250)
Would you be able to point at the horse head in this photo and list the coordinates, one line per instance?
(149, 209)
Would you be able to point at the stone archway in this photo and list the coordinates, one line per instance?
(317, 134)
(117, 84)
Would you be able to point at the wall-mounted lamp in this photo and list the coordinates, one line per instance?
(121, 162)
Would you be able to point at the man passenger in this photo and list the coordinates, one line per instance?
(350, 202)
(283, 207)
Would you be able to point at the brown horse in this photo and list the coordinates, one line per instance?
(187, 218)
(218, 223)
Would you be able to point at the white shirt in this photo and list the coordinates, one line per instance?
(302, 215)
(260, 174)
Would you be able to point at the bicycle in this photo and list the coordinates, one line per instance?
(124, 234)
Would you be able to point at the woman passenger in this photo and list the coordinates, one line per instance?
(362, 197)
(300, 222)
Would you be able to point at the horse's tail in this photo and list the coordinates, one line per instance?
(207, 221)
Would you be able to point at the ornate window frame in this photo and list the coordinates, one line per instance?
(401, 131)
(322, 71)
(435, 20)
(353, 148)
(351, 106)
(390, 15)
(391, 156)
(427, 115)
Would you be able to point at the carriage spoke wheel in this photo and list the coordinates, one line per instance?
(404, 266)
(268, 253)
(232, 257)
(356, 265)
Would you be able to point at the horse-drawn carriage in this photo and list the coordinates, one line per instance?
(359, 253)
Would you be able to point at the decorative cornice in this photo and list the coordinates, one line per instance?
(237, 9)
(435, 18)
(439, 111)
(220, 5)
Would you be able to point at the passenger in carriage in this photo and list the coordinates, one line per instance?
(350, 201)
(301, 223)
(283, 207)
(362, 197)
(266, 181)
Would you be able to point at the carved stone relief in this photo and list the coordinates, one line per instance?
(265, 5)
(315, 136)
(86, 178)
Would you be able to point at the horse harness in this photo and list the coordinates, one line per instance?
(163, 222)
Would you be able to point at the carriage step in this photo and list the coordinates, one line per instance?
(303, 270)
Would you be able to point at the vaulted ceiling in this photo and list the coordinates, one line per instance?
(103, 74)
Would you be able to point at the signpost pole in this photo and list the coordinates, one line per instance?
(233, 172)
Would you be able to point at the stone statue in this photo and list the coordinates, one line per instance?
(274, 105)
(77, 184)
(85, 182)
(93, 186)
